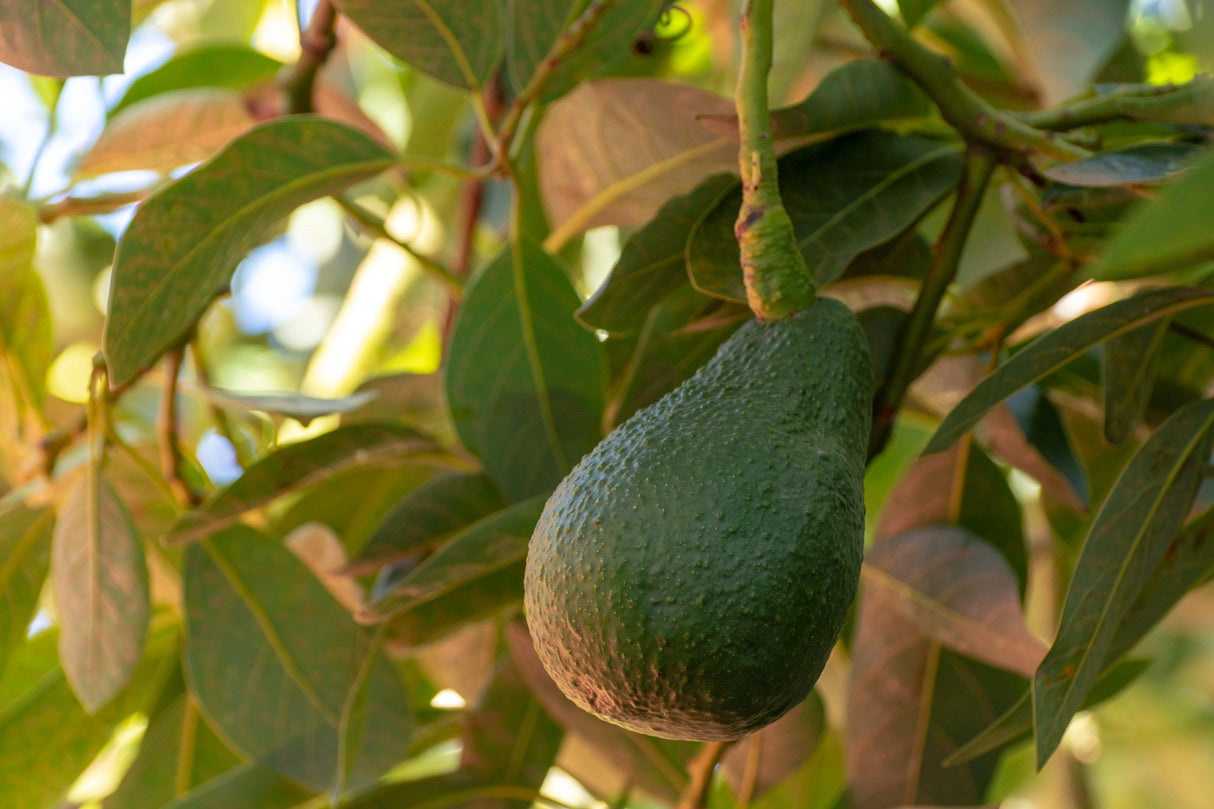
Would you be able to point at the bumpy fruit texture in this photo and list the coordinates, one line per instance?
(690, 576)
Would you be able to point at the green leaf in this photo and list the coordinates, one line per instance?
(178, 752)
(534, 26)
(1017, 721)
(911, 703)
(1130, 536)
(236, 67)
(65, 38)
(26, 339)
(657, 766)
(496, 543)
(183, 244)
(844, 197)
(101, 591)
(428, 515)
(956, 590)
(46, 737)
(1050, 352)
(1149, 163)
(651, 264)
(296, 406)
(1130, 363)
(1166, 233)
(856, 95)
(508, 739)
(454, 789)
(1188, 563)
(246, 786)
(273, 661)
(168, 131)
(25, 558)
(500, 592)
(679, 335)
(417, 400)
(298, 466)
(524, 380)
(456, 41)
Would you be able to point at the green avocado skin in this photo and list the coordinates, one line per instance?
(690, 576)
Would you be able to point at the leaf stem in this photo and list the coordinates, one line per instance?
(946, 257)
(377, 227)
(1144, 102)
(316, 42)
(777, 279)
(965, 110)
(700, 768)
(166, 429)
(90, 206)
(566, 44)
(750, 776)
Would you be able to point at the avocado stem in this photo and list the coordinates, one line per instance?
(778, 282)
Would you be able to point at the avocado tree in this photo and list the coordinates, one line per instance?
(306, 310)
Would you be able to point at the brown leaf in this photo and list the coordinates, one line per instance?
(922, 496)
(912, 703)
(948, 381)
(957, 590)
(784, 746)
(101, 591)
(168, 131)
(612, 151)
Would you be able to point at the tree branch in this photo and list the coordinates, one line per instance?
(946, 257)
(566, 44)
(166, 429)
(90, 206)
(1167, 103)
(961, 107)
(316, 42)
(700, 768)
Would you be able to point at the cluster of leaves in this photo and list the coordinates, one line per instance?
(286, 634)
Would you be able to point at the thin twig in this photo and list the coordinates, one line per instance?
(472, 195)
(316, 42)
(965, 110)
(946, 257)
(565, 45)
(90, 206)
(750, 776)
(60, 438)
(377, 227)
(166, 429)
(1166, 103)
(700, 768)
(1191, 334)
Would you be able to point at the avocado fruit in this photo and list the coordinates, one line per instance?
(689, 577)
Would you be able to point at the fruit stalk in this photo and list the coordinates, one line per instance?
(778, 282)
